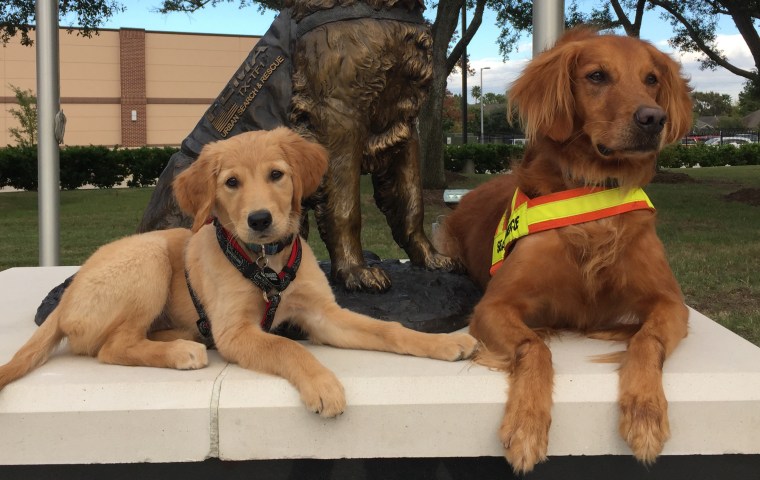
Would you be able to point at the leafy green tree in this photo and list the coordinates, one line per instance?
(447, 16)
(18, 17)
(732, 122)
(711, 103)
(26, 116)
(475, 91)
(495, 121)
(452, 113)
(749, 97)
(190, 6)
(695, 24)
(491, 98)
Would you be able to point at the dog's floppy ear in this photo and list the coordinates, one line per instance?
(673, 96)
(195, 188)
(308, 161)
(543, 95)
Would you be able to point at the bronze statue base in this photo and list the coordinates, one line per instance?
(420, 299)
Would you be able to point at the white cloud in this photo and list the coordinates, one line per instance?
(495, 80)
(719, 80)
(501, 74)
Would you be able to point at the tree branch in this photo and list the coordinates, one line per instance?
(713, 55)
(472, 28)
(623, 19)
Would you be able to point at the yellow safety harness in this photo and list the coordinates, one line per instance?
(569, 207)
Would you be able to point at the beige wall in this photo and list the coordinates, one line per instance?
(183, 74)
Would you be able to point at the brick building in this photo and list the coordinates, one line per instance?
(128, 87)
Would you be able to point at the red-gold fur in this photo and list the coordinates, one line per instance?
(589, 106)
(110, 309)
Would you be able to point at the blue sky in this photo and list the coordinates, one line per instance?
(483, 51)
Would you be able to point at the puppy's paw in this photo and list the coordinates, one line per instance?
(324, 394)
(189, 355)
(525, 438)
(644, 424)
(455, 346)
(362, 278)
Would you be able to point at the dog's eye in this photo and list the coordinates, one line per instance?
(275, 174)
(232, 182)
(651, 79)
(597, 76)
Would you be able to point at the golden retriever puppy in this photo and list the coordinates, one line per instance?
(568, 241)
(229, 281)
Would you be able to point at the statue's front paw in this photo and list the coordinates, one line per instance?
(363, 278)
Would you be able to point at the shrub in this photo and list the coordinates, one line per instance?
(145, 164)
(488, 158)
(18, 167)
(676, 156)
(93, 165)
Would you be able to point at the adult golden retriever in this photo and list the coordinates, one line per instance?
(131, 303)
(597, 110)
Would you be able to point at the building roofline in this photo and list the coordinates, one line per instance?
(164, 32)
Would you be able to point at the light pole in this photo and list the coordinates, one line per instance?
(482, 133)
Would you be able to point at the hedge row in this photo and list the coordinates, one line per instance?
(486, 158)
(98, 166)
(676, 156)
(106, 168)
(496, 158)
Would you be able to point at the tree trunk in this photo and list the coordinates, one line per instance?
(431, 113)
(431, 125)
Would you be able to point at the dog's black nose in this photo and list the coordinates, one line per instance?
(650, 119)
(260, 220)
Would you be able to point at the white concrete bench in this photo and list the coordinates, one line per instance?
(74, 410)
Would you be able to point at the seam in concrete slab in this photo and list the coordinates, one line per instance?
(214, 413)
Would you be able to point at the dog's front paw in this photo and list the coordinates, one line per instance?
(363, 278)
(188, 355)
(455, 346)
(323, 394)
(525, 436)
(644, 424)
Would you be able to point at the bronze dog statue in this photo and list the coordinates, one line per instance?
(360, 72)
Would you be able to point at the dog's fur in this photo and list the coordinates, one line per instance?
(111, 308)
(358, 86)
(596, 109)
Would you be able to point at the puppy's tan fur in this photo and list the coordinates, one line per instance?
(110, 309)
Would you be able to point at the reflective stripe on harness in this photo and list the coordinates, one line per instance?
(569, 207)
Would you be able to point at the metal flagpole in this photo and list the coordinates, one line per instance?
(548, 23)
(48, 106)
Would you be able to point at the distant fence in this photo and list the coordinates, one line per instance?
(504, 139)
(721, 137)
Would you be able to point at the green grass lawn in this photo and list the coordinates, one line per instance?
(713, 244)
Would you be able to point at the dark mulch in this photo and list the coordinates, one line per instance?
(750, 196)
(665, 176)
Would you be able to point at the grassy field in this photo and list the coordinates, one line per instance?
(713, 243)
